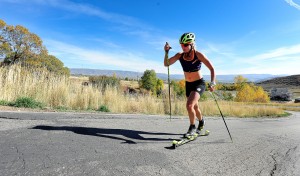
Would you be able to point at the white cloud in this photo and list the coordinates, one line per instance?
(276, 69)
(293, 4)
(107, 42)
(121, 60)
(282, 52)
(283, 60)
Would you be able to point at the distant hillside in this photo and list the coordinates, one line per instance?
(292, 81)
(118, 73)
(226, 78)
(163, 76)
(250, 77)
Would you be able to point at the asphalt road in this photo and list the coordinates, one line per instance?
(37, 144)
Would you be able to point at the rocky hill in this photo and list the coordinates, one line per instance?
(291, 82)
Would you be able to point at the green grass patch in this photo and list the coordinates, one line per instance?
(4, 103)
(61, 108)
(285, 114)
(27, 102)
(103, 108)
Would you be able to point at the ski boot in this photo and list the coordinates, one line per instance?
(191, 132)
(200, 126)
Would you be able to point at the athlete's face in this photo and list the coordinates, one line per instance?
(186, 47)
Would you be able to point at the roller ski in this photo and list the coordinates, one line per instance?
(177, 143)
(191, 135)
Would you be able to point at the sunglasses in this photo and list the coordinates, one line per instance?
(185, 45)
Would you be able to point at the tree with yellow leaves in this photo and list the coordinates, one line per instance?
(239, 81)
(19, 45)
(251, 93)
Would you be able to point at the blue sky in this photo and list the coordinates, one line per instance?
(238, 36)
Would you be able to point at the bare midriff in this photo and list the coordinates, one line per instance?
(192, 76)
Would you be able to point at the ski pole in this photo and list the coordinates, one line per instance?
(169, 90)
(221, 114)
(169, 81)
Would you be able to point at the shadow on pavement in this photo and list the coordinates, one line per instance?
(107, 133)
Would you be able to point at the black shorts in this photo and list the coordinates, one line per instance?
(197, 86)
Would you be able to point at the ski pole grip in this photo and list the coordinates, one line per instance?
(169, 46)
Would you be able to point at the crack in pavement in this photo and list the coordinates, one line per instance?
(291, 153)
(286, 160)
(21, 157)
(45, 162)
(272, 172)
(259, 173)
(1, 117)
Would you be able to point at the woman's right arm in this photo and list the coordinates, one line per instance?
(172, 60)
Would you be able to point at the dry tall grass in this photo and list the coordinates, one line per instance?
(58, 91)
(39, 84)
(238, 109)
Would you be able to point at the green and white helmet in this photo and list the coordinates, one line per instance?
(187, 38)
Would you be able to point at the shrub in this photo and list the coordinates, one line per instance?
(239, 81)
(227, 96)
(251, 93)
(203, 97)
(27, 103)
(159, 86)
(178, 87)
(225, 87)
(149, 81)
(104, 81)
(4, 103)
(103, 108)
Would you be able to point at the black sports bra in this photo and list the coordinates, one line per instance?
(190, 66)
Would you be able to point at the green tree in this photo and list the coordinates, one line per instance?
(149, 81)
(159, 86)
(178, 87)
(51, 63)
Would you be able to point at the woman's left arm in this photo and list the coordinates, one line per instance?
(209, 65)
